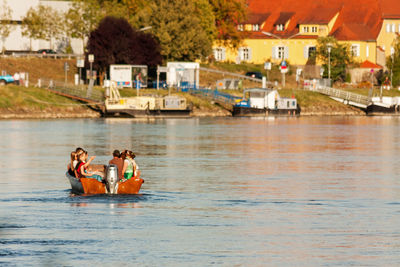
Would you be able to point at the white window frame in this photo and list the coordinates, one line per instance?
(219, 54)
(314, 29)
(305, 29)
(393, 27)
(256, 27)
(240, 27)
(245, 53)
(281, 51)
(367, 51)
(280, 27)
(355, 50)
(388, 27)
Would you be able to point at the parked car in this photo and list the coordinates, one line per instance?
(46, 51)
(5, 79)
(254, 74)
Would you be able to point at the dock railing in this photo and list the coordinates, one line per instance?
(72, 91)
(346, 96)
(214, 95)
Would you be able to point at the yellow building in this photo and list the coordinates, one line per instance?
(289, 29)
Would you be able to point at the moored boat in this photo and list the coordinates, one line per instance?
(265, 102)
(145, 106)
(111, 185)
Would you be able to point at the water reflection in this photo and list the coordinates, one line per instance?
(286, 191)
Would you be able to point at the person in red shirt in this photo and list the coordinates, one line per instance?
(116, 160)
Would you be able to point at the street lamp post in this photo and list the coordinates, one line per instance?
(329, 62)
(391, 69)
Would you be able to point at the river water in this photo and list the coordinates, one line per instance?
(318, 191)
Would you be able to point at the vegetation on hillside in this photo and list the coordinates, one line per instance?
(337, 60)
(186, 30)
(116, 42)
(393, 63)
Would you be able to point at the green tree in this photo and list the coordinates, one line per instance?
(82, 18)
(393, 63)
(178, 28)
(5, 23)
(228, 15)
(43, 22)
(340, 57)
(32, 26)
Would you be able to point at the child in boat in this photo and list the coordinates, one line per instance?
(130, 168)
(72, 164)
(83, 165)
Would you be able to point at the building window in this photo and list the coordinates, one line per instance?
(355, 50)
(256, 27)
(240, 27)
(305, 29)
(393, 27)
(314, 29)
(246, 53)
(309, 51)
(388, 28)
(312, 50)
(279, 27)
(219, 54)
(367, 51)
(281, 52)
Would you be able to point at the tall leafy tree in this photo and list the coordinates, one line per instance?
(228, 15)
(339, 57)
(5, 23)
(177, 26)
(393, 63)
(32, 25)
(114, 41)
(43, 22)
(82, 18)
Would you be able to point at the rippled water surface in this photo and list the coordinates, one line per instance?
(230, 192)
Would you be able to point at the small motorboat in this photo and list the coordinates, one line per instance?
(111, 185)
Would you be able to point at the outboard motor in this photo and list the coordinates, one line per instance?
(112, 178)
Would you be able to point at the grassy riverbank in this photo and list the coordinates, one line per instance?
(21, 102)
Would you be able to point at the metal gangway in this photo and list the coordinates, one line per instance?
(223, 99)
(241, 76)
(91, 98)
(345, 97)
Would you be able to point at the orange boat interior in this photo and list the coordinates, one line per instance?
(92, 186)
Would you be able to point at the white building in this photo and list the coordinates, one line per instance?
(16, 42)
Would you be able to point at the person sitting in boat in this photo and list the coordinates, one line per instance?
(130, 168)
(71, 166)
(116, 160)
(83, 168)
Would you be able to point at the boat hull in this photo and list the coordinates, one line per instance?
(381, 110)
(141, 113)
(93, 187)
(263, 112)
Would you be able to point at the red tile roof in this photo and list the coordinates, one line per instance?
(323, 16)
(357, 20)
(353, 32)
(257, 18)
(369, 65)
(284, 17)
